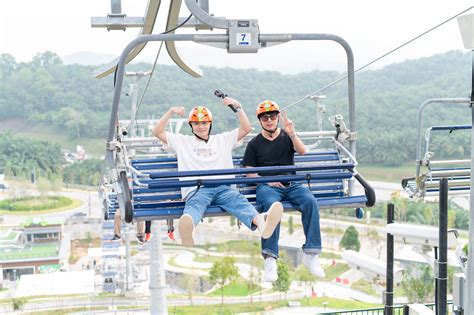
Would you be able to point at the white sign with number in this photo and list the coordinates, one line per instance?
(243, 39)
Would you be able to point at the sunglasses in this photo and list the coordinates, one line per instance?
(267, 117)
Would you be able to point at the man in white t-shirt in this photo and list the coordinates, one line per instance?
(204, 151)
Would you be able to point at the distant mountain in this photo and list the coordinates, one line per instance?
(87, 58)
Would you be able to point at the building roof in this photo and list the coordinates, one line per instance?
(58, 283)
(40, 222)
(31, 252)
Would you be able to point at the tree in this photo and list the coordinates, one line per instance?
(44, 187)
(290, 225)
(45, 59)
(71, 119)
(350, 239)
(377, 241)
(418, 284)
(283, 282)
(18, 303)
(188, 281)
(222, 271)
(255, 274)
(7, 65)
(304, 275)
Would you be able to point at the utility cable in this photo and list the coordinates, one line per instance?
(378, 58)
(154, 66)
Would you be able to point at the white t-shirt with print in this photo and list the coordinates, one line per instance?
(197, 155)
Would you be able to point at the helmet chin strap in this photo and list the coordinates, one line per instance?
(271, 132)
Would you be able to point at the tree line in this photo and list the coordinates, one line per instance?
(387, 100)
(33, 159)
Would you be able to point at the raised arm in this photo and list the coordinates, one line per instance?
(245, 126)
(290, 130)
(159, 130)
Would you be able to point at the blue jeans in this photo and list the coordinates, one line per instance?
(302, 199)
(225, 197)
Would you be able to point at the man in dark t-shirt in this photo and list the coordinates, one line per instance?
(275, 147)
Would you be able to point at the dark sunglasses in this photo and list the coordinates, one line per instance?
(266, 117)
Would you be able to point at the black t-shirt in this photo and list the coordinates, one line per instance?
(263, 152)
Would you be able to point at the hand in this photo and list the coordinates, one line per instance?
(177, 110)
(288, 125)
(276, 184)
(230, 101)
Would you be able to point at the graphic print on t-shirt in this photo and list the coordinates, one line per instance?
(204, 152)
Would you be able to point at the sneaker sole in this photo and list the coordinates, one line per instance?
(185, 228)
(273, 218)
(316, 274)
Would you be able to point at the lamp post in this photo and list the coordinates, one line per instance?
(466, 26)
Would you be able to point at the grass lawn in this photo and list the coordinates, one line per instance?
(333, 271)
(329, 255)
(267, 306)
(37, 205)
(236, 247)
(72, 310)
(238, 288)
(364, 286)
(205, 258)
(387, 173)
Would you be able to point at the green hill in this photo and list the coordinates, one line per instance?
(45, 99)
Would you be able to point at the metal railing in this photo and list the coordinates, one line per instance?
(367, 311)
(397, 310)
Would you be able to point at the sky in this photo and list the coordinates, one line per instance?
(371, 27)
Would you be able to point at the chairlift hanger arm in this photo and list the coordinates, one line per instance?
(418, 158)
(151, 13)
(225, 38)
(173, 16)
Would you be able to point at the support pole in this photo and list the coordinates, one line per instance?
(390, 250)
(128, 264)
(470, 257)
(442, 277)
(158, 304)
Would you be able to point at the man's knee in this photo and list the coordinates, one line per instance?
(310, 205)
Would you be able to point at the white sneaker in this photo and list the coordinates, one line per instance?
(311, 261)
(271, 268)
(186, 229)
(268, 221)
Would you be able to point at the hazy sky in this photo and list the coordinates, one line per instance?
(371, 28)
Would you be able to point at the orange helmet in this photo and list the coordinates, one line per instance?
(267, 106)
(200, 113)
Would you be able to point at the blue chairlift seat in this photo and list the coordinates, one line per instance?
(157, 196)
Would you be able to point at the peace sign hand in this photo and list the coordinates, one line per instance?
(288, 125)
